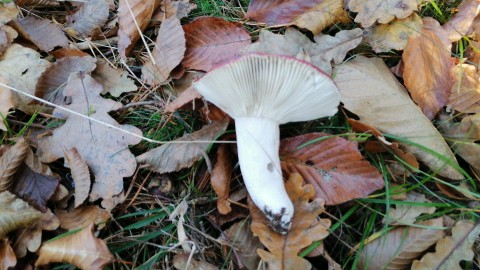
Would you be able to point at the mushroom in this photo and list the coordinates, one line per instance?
(260, 92)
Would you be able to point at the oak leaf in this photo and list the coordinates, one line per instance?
(450, 250)
(8, 256)
(382, 11)
(113, 80)
(81, 249)
(16, 213)
(221, 177)
(42, 32)
(462, 21)
(80, 175)
(406, 214)
(89, 17)
(10, 162)
(465, 93)
(333, 166)
(306, 228)
(369, 89)
(105, 150)
(244, 243)
(82, 216)
(212, 40)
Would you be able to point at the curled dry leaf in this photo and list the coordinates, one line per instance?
(80, 175)
(394, 35)
(16, 213)
(42, 32)
(81, 249)
(427, 66)
(181, 262)
(91, 16)
(168, 52)
(8, 256)
(212, 40)
(382, 11)
(221, 177)
(306, 228)
(6, 103)
(244, 243)
(38, 3)
(462, 21)
(104, 150)
(10, 162)
(384, 104)
(82, 216)
(114, 80)
(406, 214)
(465, 93)
(172, 157)
(333, 166)
(399, 247)
(450, 250)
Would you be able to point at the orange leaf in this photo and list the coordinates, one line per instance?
(221, 178)
(334, 167)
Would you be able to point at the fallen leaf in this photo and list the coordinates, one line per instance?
(8, 256)
(10, 162)
(382, 11)
(113, 80)
(133, 16)
(462, 21)
(38, 3)
(8, 12)
(104, 150)
(81, 249)
(89, 17)
(221, 177)
(177, 8)
(82, 216)
(369, 89)
(179, 212)
(321, 16)
(7, 35)
(427, 68)
(465, 92)
(187, 96)
(169, 50)
(450, 250)
(394, 35)
(212, 40)
(400, 246)
(181, 262)
(333, 166)
(31, 237)
(42, 32)
(67, 52)
(244, 243)
(174, 156)
(6, 103)
(306, 228)
(278, 12)
(16, 213)
(406, 214)
(80, 175)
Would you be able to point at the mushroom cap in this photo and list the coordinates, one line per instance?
(281, 88)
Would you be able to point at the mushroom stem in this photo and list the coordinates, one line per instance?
(258, 141)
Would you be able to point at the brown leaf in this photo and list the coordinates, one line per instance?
(384, 104)
(181, 262)
(306, 228)
(277, 12)
(212, 40)
(244, 243)
(333, 166)
(321, 16)
(7, 35)
(400, 246)
(462, 21)
(427, 68)
(15, 213)
(406, 214)
(82, 216)
(105, 150)
(31, 237)
(221, 177)
(382, 11)
(394, 35)
(172, 157)
(6, 103)
(187, 96)
(450, 250)
(80, 175)
(81, 249)
(133, 13)
(42, 32)
(8, 12)
(168, 53)
(465, 93)
(91, 16)
(38, 3)
(10, 162)
(113, 80)
(177, 8)
(67, 52)
(8, 256)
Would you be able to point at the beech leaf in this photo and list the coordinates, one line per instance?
(382, 11)
(369, 89)
(82, 216)
(221, 177)
(333, 166)
(244, 243)
(113, 80)
(10, 162)
(16, 213)
(80, 175)
(42, 32)
(465, 93)
(406, 214)
(462, 21)
(91, 16)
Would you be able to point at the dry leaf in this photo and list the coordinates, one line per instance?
(38, 3)
(6, 103)
(81, 249)
(382, 11)
(465, 93)
(80, 175)
(7, 35)
(177, 8)
(8, 12)
(450, 250)
(31, 237)
(427, 68)
(168, 52)
(8, 256)
(113, 80)
(42, 32)
(394, 35)
(181, 262)
(369, 89)
(212, 40)
(82, 216)
(405, 214)
(333, 166)
(104, 150)
(321, 16)
(187, 96)
(245, 244)
(400, 246)
(10, 162)
(15, 213)
(172, 157)
(462, 21)
(91, 16)
(133, 13)
(306, 228)
(221, 177)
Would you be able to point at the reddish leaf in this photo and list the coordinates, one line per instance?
(43, 33)
(334, 166)
(275, 12)
(212, 40)
(221, 178)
